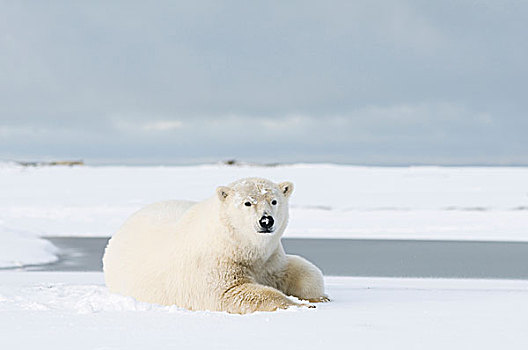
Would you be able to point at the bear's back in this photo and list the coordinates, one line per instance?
(171, 210)
(140, 245)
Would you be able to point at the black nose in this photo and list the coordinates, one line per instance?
(266, 222)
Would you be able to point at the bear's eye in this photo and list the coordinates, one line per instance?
(274, 202)
(247, 204)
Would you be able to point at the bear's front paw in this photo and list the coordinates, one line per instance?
(302, 305)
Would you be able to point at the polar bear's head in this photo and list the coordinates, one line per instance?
(256, 206)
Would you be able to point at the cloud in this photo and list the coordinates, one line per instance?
(148, 126)
(353, 80)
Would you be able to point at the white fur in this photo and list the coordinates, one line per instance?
(210, 255)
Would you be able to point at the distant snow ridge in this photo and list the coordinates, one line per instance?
(330, 201)
(20, 248)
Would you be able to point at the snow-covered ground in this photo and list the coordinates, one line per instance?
(19, 248)
(75, 311)
(329, 201)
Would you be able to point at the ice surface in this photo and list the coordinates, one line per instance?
(475, 203)
(19, 248)
(41, 310)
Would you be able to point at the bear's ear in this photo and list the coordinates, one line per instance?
(286, 188)
(223, 192)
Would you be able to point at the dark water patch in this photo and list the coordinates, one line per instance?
(354, 257)
(415, 258)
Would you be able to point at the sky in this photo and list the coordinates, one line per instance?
(172, 82)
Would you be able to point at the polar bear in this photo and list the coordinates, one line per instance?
(221, 254)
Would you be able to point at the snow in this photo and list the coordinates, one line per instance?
(329, 201)
(75, 311)
(18, 248)
(497, 225)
